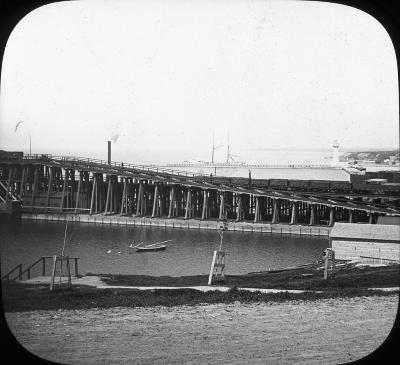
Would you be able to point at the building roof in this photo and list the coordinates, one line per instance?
(373, 232)
(388, 220)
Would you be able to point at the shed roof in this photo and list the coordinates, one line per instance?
(373, 232)
(382, 219)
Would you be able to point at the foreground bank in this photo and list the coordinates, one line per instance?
(309, 284)
(327, 331)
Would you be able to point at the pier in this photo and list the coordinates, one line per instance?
(253, 165)
(61, 184)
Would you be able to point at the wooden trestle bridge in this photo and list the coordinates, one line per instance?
(60, 184)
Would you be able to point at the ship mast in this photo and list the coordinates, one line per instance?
(227, 153)
(213, 149)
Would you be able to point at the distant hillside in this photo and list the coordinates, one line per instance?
(377, 156)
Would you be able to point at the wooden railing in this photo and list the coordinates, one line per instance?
(28, 269)
(104, 163)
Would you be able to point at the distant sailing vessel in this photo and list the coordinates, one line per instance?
(229, 162)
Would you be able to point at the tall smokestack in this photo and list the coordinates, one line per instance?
(109, 152)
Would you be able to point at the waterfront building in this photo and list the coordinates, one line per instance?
(369, 243)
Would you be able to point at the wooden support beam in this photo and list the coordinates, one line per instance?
(21, 188)
(97, 193)
(171, 203)
(331, 216)
(78, 192)
(204, 213)
(293, 219)
(63, 191)
(93, 195)
(108, 195)
(371, 218)
(10, 176)
(276, 211)
(312, 215)
(50, 183)
(34, 187)
(161, 199)
(351, 216)
(139, 199)
(156, 199)
(239, 213)
(257, 213)
(124, 200)
(222, 205)
(188, 209)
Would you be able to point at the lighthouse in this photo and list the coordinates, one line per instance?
(335, 156)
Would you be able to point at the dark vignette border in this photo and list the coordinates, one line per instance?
(12, 11)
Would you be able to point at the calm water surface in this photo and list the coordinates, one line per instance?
(189, 253)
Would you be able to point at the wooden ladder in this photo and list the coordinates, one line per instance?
(217, 271)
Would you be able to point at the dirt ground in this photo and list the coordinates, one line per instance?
(328, 331)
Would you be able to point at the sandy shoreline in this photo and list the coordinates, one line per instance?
(328, 331)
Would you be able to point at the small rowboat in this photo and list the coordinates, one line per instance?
(158, 246)
(151, 248)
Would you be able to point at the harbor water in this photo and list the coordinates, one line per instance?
(105, 248)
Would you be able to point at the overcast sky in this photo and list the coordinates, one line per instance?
(162, 76)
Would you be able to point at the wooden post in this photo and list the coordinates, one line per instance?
(76, 267)
(239, 214)
(371, 218)
(35, 181)
(331, 216)
(257, 213)
(351, 217)
(60, 259)
(155, 202)
(53, 272)
(93, 195)
(78, 192)
(161, 199)
(222, 205)
(63, 191)
(329, 257)
(204, 213)
(188, 209)
(326, 264)
(9, 190)
(293, 219)
(139, 201)
(171, 203)
(21, 188)
(111, 203)
(69, 272)
(275, 212)
(108, 195)
(50, 182)
(312, 215)
(123, 200)
(43, 266)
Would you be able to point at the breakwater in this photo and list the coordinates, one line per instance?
(192, 224)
